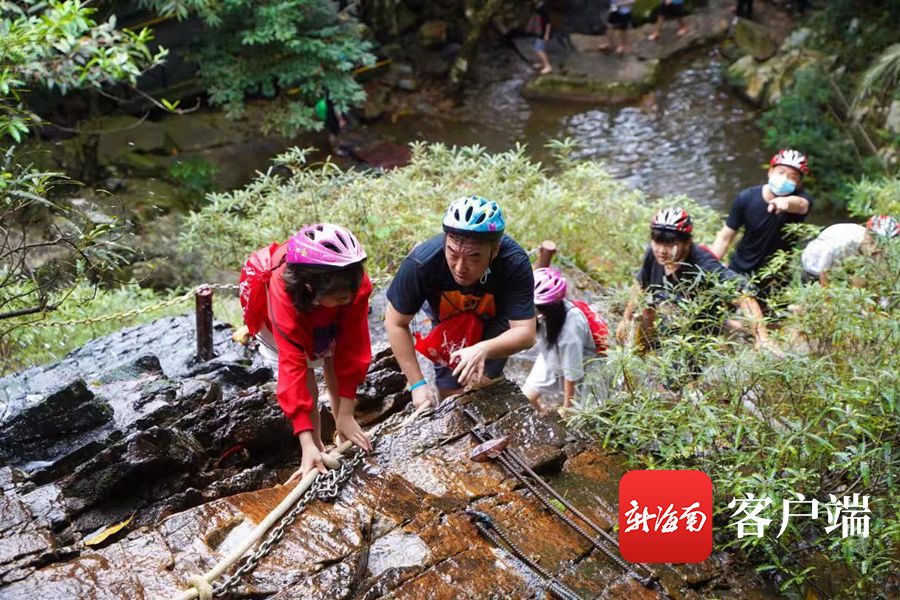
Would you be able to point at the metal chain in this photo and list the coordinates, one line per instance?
(325, 487)
(138, 311)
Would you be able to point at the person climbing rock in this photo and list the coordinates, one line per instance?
(565, 344)
(764, 211)
(471, 272)
(843, 239)
(670, 9)
(676, 270)
(316, 316)
(620, 19)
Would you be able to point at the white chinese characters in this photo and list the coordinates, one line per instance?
(665, 520)
(851, 513)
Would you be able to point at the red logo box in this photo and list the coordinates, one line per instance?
(665, 516)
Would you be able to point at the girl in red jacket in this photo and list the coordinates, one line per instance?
(318, 306)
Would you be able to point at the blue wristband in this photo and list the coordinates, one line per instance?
(417, 385)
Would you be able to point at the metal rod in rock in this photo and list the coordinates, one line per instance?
(489, 530)
(505, 459)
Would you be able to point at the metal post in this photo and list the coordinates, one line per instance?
(545, 254)
(204, 310)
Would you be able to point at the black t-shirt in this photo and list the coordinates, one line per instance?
(425, 278)
(682, 283)
(763, 233)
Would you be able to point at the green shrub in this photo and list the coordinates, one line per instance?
(823, 420)
(599, 223)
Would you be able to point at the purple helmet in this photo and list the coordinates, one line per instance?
(549, 286)
(324, 244)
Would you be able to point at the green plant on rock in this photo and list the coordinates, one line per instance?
(59, 45)
(194, 175)
(805, 118)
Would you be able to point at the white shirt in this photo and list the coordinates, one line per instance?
(832, 244)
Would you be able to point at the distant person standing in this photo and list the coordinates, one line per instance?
(619, 18)
(335, 121)
(539, 26)
(670, 9)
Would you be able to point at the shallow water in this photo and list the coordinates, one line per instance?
(690, 135)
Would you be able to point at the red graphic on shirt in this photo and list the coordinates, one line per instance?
(665, 516)
(454, 303)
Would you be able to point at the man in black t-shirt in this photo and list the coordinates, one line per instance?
(763, 211)
(470, 267)
(675, 269)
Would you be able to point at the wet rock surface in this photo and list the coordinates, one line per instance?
(193, 454)
(131, 425)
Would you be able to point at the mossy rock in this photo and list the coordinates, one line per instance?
(764, 83)
(753, 39)
(125, 135)
(625, 85)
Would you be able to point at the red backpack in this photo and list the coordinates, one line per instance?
(255, 275)
(599, 330)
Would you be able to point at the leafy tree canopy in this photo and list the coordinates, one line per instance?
(291, 51)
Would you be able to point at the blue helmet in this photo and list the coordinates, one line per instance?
(476, 217)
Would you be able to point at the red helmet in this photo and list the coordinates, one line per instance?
(791, 158)
(883, 225)
(673, 218)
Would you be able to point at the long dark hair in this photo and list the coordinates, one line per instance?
(554, 318)
(304, 283)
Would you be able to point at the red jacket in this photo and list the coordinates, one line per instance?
(341, 332)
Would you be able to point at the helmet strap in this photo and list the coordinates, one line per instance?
(487, 271)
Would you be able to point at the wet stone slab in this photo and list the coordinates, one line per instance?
(399, 528)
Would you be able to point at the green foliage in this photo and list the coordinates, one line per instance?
(58, 45)
(595, 219)
(824, 113)
(869, 197)
(291, 51)
(856, 30)
(823, 420)
(884, 74)
(804, 119)
(194, 176)
(28, 341)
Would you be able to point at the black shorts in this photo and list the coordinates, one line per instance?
(621, 21)
(672, 11)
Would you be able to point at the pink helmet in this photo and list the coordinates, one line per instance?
(324, 244)
(549, 286)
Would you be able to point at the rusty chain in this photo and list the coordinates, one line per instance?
(326, 487)
(138, 311)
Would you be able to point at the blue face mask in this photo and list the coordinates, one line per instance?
(781, 185)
